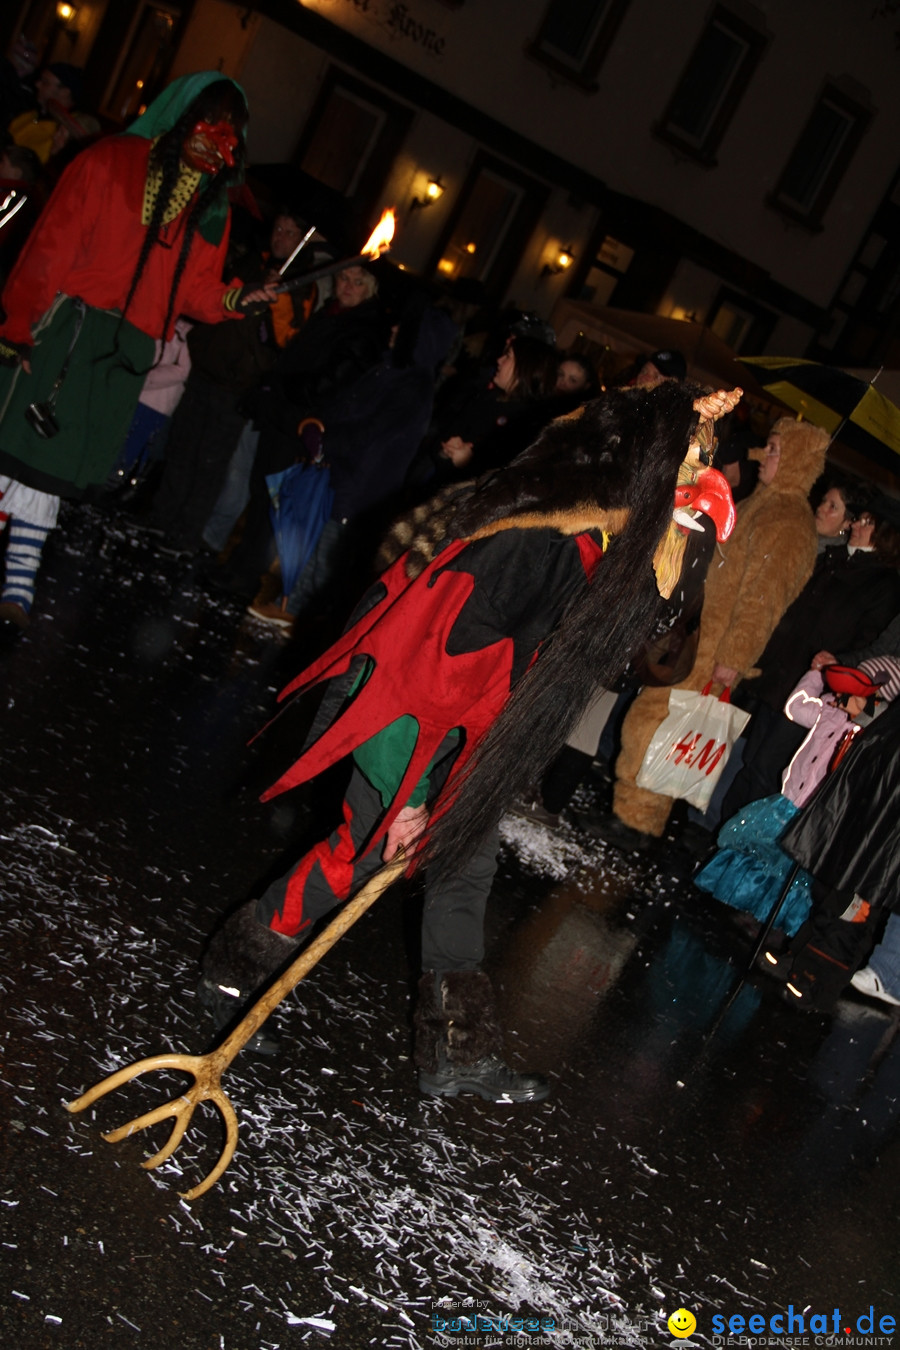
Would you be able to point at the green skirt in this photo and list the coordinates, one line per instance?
(93, 408)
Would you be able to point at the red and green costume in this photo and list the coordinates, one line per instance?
(85, 247)
(442, 653)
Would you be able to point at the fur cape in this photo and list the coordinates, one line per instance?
(611, 471)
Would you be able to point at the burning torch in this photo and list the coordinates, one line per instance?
(378, 242)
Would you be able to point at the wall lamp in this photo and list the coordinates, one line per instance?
(562, 261)
(434, 190)
(66, 13)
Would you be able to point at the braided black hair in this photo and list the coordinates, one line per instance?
(218, 99)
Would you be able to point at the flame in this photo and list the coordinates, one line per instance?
(379, 241)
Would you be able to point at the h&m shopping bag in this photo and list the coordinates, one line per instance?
(689, 748)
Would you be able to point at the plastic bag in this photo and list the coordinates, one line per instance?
(690, 747)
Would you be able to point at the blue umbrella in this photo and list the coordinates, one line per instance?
(301, 501)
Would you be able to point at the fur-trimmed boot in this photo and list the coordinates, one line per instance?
(458, 1042)
(241, 959)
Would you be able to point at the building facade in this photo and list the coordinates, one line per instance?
(730, 162)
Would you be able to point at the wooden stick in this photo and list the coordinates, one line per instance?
(207, 1069)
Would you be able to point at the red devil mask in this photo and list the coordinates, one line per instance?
(711, 495)
(210, 144)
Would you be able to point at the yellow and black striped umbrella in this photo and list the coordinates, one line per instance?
(854, 412)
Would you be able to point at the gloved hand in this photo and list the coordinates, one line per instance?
(13, 352)
(250, 300)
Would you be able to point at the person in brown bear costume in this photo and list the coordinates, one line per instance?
(758, 572)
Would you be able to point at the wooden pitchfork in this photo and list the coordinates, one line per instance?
(207, 1069)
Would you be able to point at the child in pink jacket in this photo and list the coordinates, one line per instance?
(749, 868)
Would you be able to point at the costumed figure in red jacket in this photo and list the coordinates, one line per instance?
(133, 236)
(459, 677)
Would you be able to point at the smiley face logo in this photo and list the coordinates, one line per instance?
(682, 1323)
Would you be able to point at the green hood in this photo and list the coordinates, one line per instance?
(161, 116)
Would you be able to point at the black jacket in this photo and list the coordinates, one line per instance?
(848, 835)
(332, 350)
(847, 602)
(374, 427)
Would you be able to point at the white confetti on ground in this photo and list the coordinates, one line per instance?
(430, 1209)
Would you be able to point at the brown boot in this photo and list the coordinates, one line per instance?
(242, 959)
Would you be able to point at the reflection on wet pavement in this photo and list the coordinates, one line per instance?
(704, 1147)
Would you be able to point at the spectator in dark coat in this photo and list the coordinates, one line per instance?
(847, 837)
(336, 345)
(227, 361)
(371, 432)
(852, 595)
(483, 421)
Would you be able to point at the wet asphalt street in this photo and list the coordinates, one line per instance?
(704, 1147)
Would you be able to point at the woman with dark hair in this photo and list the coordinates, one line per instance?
(134, 235)
(482, 422)
(871, 533)
(575, 374)
(836, 510)
(518, 403)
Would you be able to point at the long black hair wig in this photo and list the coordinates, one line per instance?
(622, 454)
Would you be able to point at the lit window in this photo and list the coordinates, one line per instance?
(576, 35)
(710, 89)
(489, 225)
(741, 323)
(487, 212)
(821, 156)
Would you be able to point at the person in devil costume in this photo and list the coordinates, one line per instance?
(134, 235)
(437, 695)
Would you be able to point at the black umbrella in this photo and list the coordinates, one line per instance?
(854, 412)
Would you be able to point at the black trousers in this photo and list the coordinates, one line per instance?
(563, 777)
(828, 949)
(332, 871)
(204, 432)
(771, 743)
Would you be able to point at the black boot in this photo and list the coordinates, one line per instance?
(240, 961)
(614, 831)
(458, 1041)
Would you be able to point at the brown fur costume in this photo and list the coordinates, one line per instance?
(758, 572)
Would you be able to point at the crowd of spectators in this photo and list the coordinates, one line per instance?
(44, 124)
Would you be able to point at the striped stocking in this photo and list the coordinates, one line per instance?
(23, 558)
